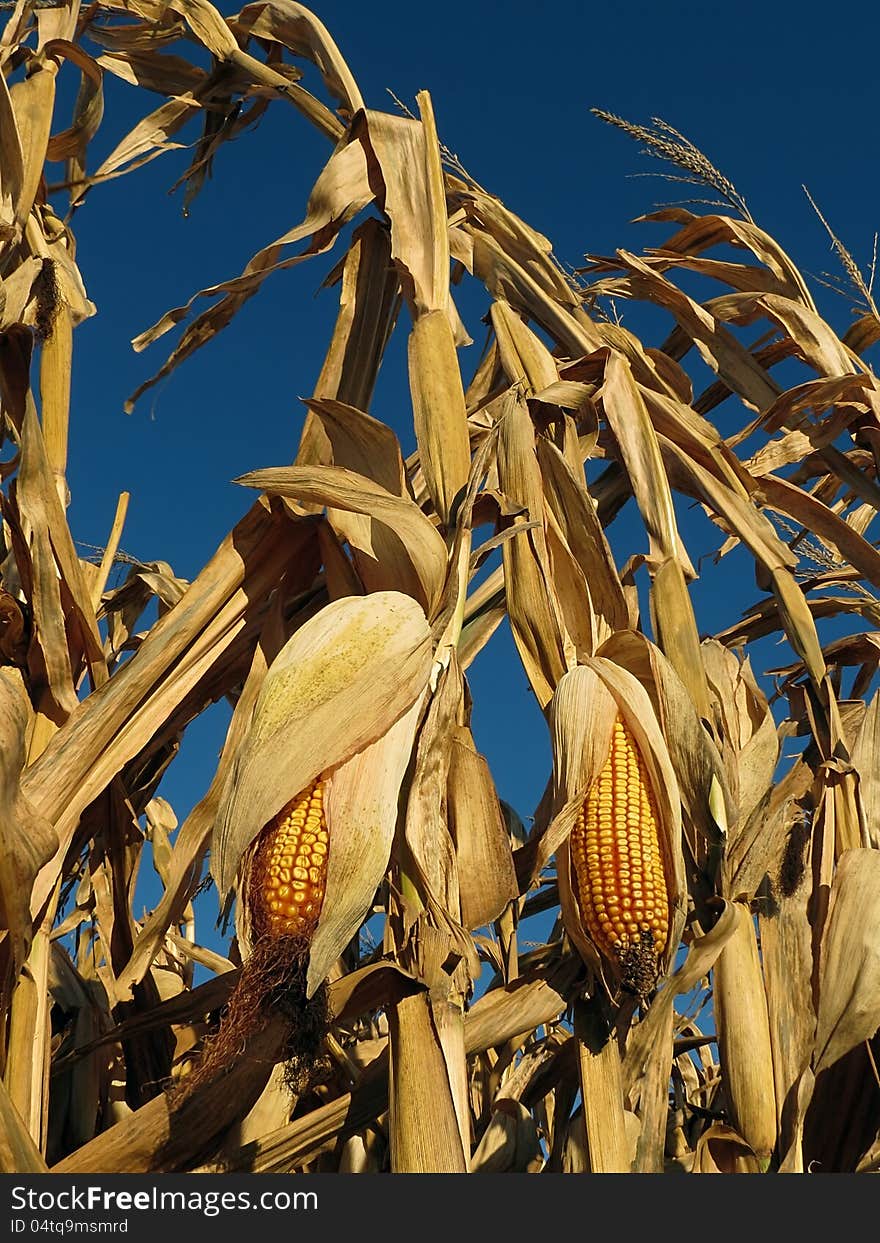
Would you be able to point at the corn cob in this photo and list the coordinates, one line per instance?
(289, 869)
(619, 866)
(283, 890)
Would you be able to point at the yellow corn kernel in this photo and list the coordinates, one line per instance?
(286, 894)
(618, 865)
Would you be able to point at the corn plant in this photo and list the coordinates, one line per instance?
(706, 995)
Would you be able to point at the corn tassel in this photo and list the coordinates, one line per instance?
(619, 867)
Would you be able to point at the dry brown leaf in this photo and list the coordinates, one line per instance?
(866, 762)
(744, 1043)
(579, 525)
(533, 612)
(226, 600)
(340, 192)
(18, 1152)
(419, 546)
(721, 1150)
(849, 984)
(300, 30)
(369, 299)
(27, 840)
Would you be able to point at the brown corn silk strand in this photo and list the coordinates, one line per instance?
(284, 892)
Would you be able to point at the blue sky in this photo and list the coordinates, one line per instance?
(777, 95)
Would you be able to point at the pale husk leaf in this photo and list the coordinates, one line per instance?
(439, 413)
(610, 1151)
(338, 684)
(486, 876)
(525, 358)
(424, 1130)
(361, 809)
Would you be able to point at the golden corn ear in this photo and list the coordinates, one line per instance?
(618, 864)
(289, 869)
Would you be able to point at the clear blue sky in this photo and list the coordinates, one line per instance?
(776, 94)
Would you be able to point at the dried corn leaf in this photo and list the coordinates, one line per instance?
(153, 71)
(361, 444)
(27, 840)
(744, 724)
(340, 192)
(866, 762)
(18, 1152)
(634, 432)
(369, 300)
(26, 1070)
(300, 30)
(807, 511)
(575, 512)
(509, 1143)
(718, 347)
(420, 546)
(531, 606)
(702, 232)
(849, 984)
(119, 719)
(721, 1150)
(507, 281)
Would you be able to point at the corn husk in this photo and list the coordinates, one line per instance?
(582, 717)
(336, 689)
(744, 1037)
